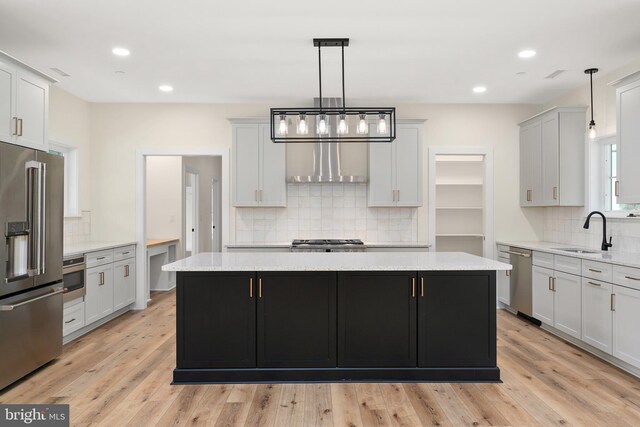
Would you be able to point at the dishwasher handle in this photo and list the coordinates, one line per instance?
(518, 253)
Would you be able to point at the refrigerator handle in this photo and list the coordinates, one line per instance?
(36, 215)
(42, 214)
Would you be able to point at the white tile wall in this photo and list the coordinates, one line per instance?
(565, 225)
(326, 211)
(77, 229)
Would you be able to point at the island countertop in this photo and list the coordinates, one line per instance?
(336, 261)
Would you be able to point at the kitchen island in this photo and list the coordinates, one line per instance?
(283, 317)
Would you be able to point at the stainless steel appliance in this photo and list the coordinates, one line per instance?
(73, 269)
(520, 297)
(328, 245)
(31, 212)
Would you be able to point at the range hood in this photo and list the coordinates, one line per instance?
(326, 155)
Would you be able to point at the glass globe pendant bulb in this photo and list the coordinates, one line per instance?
(343, 126)
(382, 123)
(323, 129)
(592, 131)
(283, 128)
(303, 129)
(362, 125)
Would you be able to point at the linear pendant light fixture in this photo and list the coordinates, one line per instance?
(332, 124)
(592, 123)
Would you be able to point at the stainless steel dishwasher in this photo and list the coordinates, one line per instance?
(520, 259)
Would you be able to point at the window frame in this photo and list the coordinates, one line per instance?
(71, 176)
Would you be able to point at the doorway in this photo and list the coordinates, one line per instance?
(196, 174)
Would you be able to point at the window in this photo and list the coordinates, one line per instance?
(611, 176)
(70, 155)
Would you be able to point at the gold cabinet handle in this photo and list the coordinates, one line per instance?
(613, 302)
(101, 278)
(554, 284)
(20, 123)
(508, 273)
(631, 278)
(529, 195)
(617, 188)
(595, 271)
(550, 284)
(250, 287)
(15, 126)
(413, 287)
(422, 286)
(555, 193)
(594, 283)
(126, 270)
(260, 287)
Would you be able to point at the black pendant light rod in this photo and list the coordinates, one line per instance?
(320, 74)
(343, 102)
(591, 71)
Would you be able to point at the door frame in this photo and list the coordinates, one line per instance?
(215, 211)
(142, 294)
(195, 244)
(487, 189)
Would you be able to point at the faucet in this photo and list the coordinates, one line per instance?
(605, 246)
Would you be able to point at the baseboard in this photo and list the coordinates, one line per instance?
(170, 288)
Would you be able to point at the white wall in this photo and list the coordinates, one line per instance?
(118, 129)
(164, 198)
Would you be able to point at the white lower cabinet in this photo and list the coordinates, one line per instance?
(597, 316)
(542, 296)
(72, 318)
(567, 291)
(504, 284)
(99, 296)
(556, 299)
(124, 283)
(626, 322)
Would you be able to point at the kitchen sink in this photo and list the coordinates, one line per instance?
(577, 250)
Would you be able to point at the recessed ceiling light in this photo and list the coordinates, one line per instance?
(479, 89)
(120, 51)
(527, 53)
(165, 88)
(119, 72)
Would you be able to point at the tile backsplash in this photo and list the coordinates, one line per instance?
(77, 229)
(564, 225)
(326, 211)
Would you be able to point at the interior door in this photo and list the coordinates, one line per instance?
(191, 213)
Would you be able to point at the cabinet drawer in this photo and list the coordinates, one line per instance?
(567, 264)
(626, 276)
(597, 270)
(543, 259)
(124, 252)
(72, 318)
(94, 259)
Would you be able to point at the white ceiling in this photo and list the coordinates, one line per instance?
(257, 50)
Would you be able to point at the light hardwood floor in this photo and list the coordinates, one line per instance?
(120, 375)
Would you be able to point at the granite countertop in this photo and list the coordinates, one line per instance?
(336, 261)
(368, 244)
(629, 259)
(83, 248)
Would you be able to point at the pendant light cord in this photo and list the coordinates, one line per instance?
(591, 84)
(320, 74)
(343, 101)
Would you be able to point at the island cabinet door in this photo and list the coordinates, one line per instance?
(457, 319)
(377, 319)
(296, 319)
(216, 320)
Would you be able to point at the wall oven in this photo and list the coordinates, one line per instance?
(73, 269)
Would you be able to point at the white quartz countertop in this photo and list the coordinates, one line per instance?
(629, 259)
(368, 244)
(83, 248)
(335, 261)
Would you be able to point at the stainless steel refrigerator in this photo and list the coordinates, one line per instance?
(31, 215)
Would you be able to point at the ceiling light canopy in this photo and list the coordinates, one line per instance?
(165, 88)
(527, 53)
(479, 89)
(332, 124)
(120, 51)
(592, 123)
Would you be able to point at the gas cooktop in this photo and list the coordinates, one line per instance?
(326, 242)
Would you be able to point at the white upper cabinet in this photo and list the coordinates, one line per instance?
(259, 166)
(395, 169)
(24, 105)
(628, 138)
(552, 158)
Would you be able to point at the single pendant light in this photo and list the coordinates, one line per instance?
(592, 123)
